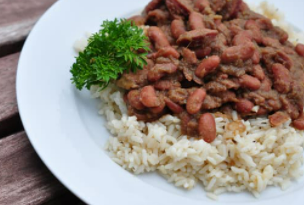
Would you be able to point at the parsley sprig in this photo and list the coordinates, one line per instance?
(109, 53)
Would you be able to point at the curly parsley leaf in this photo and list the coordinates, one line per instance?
(109, 53)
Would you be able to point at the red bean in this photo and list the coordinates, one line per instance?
(158, 109)
(195, 101)
(256, 57)
(157, 36)
(300, 49)
(177, 28)
(299, 123)
(153, 5)
(241, 52)
(242, 38)
(207, 128)
(250, 82)
(202, 52)
(281, 77)
(148, 97)
(262, 111)
(173, 106)
(284, 59)
(255, 29)
(158, 15)
(244, 106)
(159, 70)
(266, 84)
(278, 118)
(196, 36)
(207, 65)
(196, 21)
(167, 52)
(258, 72)
(271, 42)
(134, 99)
(178, 7)
(189, 56)
(201, 5)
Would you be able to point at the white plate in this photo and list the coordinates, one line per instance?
(68, 134)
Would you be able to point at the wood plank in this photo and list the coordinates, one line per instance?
(24, 178)
(16, 20)
(9, 117)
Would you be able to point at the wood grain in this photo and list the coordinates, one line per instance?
(23, 177)
(9, 117)
(17, 17)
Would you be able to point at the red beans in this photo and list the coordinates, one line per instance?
(281, 77)
(159, 70)
(241, 52)
(244, 106)
(166, 84)
(148, 97)
(196, 21)
(158, 109)
(196, 36)
(250, 82)
(167, 52)
(300, 49)
(177, 28)
(256, 57)
(207, 65)
(157, 36)
(173, 106)
(242, 38)
(202, 52)
(284, 59)
(195, 101)
(189, 56)
(207, 128)
(134, 99)
(258, 72)
(255, 29)
(278, 119)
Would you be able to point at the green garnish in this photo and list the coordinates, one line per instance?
(109, 53)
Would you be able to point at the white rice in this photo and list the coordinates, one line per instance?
(260, 156)
(252, 159)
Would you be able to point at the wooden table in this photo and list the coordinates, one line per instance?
(24, 179)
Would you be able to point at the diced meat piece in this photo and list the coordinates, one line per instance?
(232, 70)
(278, 119)
(166, 84)
(207, 66)
(138, 20)
(160, 70)
(179, 7)
(244, 106)
(300, 49)
(196, 21)
(215, 87)
(196, 36)
(211, 102)
(227, 96)
(189, 56)
(158, 37)
(281, 77)
(235, 53)
(167, 52)
(148, 97)
(178, 95)
(178, 28)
